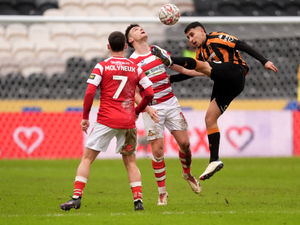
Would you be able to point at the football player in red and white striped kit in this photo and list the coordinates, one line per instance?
(117, 78)
(164, 111)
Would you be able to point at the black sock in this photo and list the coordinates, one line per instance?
(186, 62)
(214, 140)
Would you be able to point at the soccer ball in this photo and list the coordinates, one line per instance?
(169, 14)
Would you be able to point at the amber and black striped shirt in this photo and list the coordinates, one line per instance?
(220, 46)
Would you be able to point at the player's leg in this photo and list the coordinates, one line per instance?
(159, 167)
(81, 178)
(213, 133)
(185, 157)
(97, 141)
(186, 62)
(126, 145)
(177, 125)
(134, 178)
(155, 137)
(229, 81)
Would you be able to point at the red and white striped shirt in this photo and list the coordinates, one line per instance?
(155, 70)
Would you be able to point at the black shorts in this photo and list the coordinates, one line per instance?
(229, 82)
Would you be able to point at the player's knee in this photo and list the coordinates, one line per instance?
(210, 120)
(185, 146)
(158, 154)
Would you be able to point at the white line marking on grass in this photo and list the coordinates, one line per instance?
(170, 213)
(290, 212)
(118, 214)
(49, 215)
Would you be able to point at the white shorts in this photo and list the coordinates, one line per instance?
(101, 136)
(171, 118)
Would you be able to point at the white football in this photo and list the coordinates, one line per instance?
(169, 14)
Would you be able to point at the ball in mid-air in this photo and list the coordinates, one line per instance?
(169, 14)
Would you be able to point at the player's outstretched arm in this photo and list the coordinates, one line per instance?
(243, 46)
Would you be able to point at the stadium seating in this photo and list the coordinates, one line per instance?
(71, 7)
(61, 33)
(204, 8)
(272, 8)
(92, 50)
(94, 8)
(139, 8)
(184, 5)
(22, 50)
(228, 8)
(8, 86)
(117, 8)
(30, 65)
(63, 54)
(83, 33)
(7, 8)
(251, 8)
(16, 32)
(44, 5)
(45, 50)
(26, 7)
(292, 8)
(38, 32)
(53, 66)
(247, 8)
(69, 49)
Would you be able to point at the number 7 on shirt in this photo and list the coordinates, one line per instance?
(123, 80)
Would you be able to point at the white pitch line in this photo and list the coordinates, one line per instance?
(163, 213)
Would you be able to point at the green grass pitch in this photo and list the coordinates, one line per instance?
(247, 191)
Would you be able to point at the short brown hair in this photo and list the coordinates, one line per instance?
(116, 41)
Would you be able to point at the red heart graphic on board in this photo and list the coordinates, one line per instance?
(239, 137)
(28, 138)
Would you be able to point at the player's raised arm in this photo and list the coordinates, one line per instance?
(243, 46)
